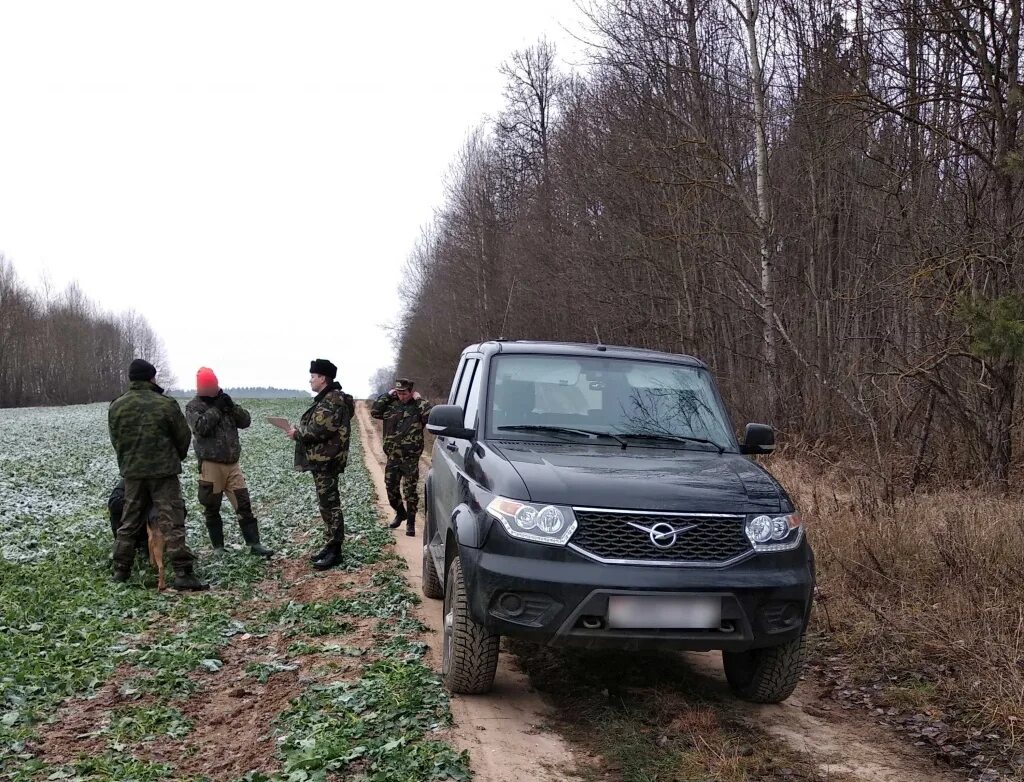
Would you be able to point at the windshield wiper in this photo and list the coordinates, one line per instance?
(676, 438)
(566, 429)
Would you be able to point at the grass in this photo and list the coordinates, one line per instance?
(921, 594)
(66, 629)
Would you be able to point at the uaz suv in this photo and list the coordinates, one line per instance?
(594, 495)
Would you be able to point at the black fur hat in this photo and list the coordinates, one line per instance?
(321, 366)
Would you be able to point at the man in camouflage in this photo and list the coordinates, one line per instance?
(151, 438)
(215, 419)
(321, 447)
(404, 414)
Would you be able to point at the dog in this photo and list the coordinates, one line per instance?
(150, 536)
(157, 543)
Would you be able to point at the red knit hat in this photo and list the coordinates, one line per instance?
(206, 382)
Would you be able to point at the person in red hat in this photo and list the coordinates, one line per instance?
(215, 419)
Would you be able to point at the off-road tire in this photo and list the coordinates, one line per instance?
(765, 675)
(430, 584)
(469, 655)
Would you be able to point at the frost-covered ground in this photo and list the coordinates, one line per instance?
(57, 469)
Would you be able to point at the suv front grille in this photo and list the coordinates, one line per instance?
(699, 539)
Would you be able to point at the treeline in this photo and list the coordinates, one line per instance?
(821, 199)
(61, 349)
(247, 392)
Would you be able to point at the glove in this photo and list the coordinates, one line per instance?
(223, 402)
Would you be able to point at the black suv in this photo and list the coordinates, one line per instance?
(596, 496)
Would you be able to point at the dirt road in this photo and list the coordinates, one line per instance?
(503, 730)
(500, 729)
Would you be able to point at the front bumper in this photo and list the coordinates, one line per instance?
(557, 597)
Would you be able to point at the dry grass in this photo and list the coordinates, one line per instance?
(924, 592)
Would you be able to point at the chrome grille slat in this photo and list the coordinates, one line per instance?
(607, 535)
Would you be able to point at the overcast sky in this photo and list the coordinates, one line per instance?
(249, 176)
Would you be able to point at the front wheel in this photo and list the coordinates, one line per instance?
(430, 584)
(470, 651)
(765, 675)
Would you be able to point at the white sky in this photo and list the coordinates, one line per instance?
(249, 176)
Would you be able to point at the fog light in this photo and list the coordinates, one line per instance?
(511, 604)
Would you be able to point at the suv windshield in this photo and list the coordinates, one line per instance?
(667, 403)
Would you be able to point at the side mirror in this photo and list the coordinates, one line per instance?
(446, 421)
(758, 438)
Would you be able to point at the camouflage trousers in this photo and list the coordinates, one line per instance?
(329, 499)
(402, 476)
(164, 494)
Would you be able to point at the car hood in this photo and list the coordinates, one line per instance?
(640, 478)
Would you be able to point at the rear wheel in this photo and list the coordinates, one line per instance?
(470, 651)
(765, 675)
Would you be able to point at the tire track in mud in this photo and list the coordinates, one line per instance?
(503, 729)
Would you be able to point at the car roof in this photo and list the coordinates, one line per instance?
(541, 347)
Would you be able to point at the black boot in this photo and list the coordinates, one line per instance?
(249, 526)
(215, 527)
(251, 533)
(211, 513)
(121, 575)
(410, 527)
(400, 516)
(184, 579)
(320, 554)
(330, 559)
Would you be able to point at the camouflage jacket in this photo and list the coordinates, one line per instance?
(403, 424)
(148, 432)
(322, 434)
(216, 430)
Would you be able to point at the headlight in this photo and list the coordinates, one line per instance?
(774, 533)
(549, 524)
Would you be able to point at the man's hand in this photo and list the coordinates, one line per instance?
(416, 395)
(393, 392)
(291, 433)
(223, 402)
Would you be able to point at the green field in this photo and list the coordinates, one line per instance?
(311, 676)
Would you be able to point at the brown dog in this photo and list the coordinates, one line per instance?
(157, 543)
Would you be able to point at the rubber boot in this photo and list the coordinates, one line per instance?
(184, 579)
(410, 527)
(121, 575)
(251, 534)
(216, 529)
(211, 512)
(249, 526)
(330, 559)
(320, 554)
(400, 516)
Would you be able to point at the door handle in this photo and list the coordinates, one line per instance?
(452, 446)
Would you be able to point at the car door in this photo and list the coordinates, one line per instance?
(444, 469)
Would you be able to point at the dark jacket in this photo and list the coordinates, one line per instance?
(148, 432)
(403, 424)
(215, 422)
(322, 434)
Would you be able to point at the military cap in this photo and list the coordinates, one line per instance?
(403, 384)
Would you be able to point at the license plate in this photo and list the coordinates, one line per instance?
(655, 612)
